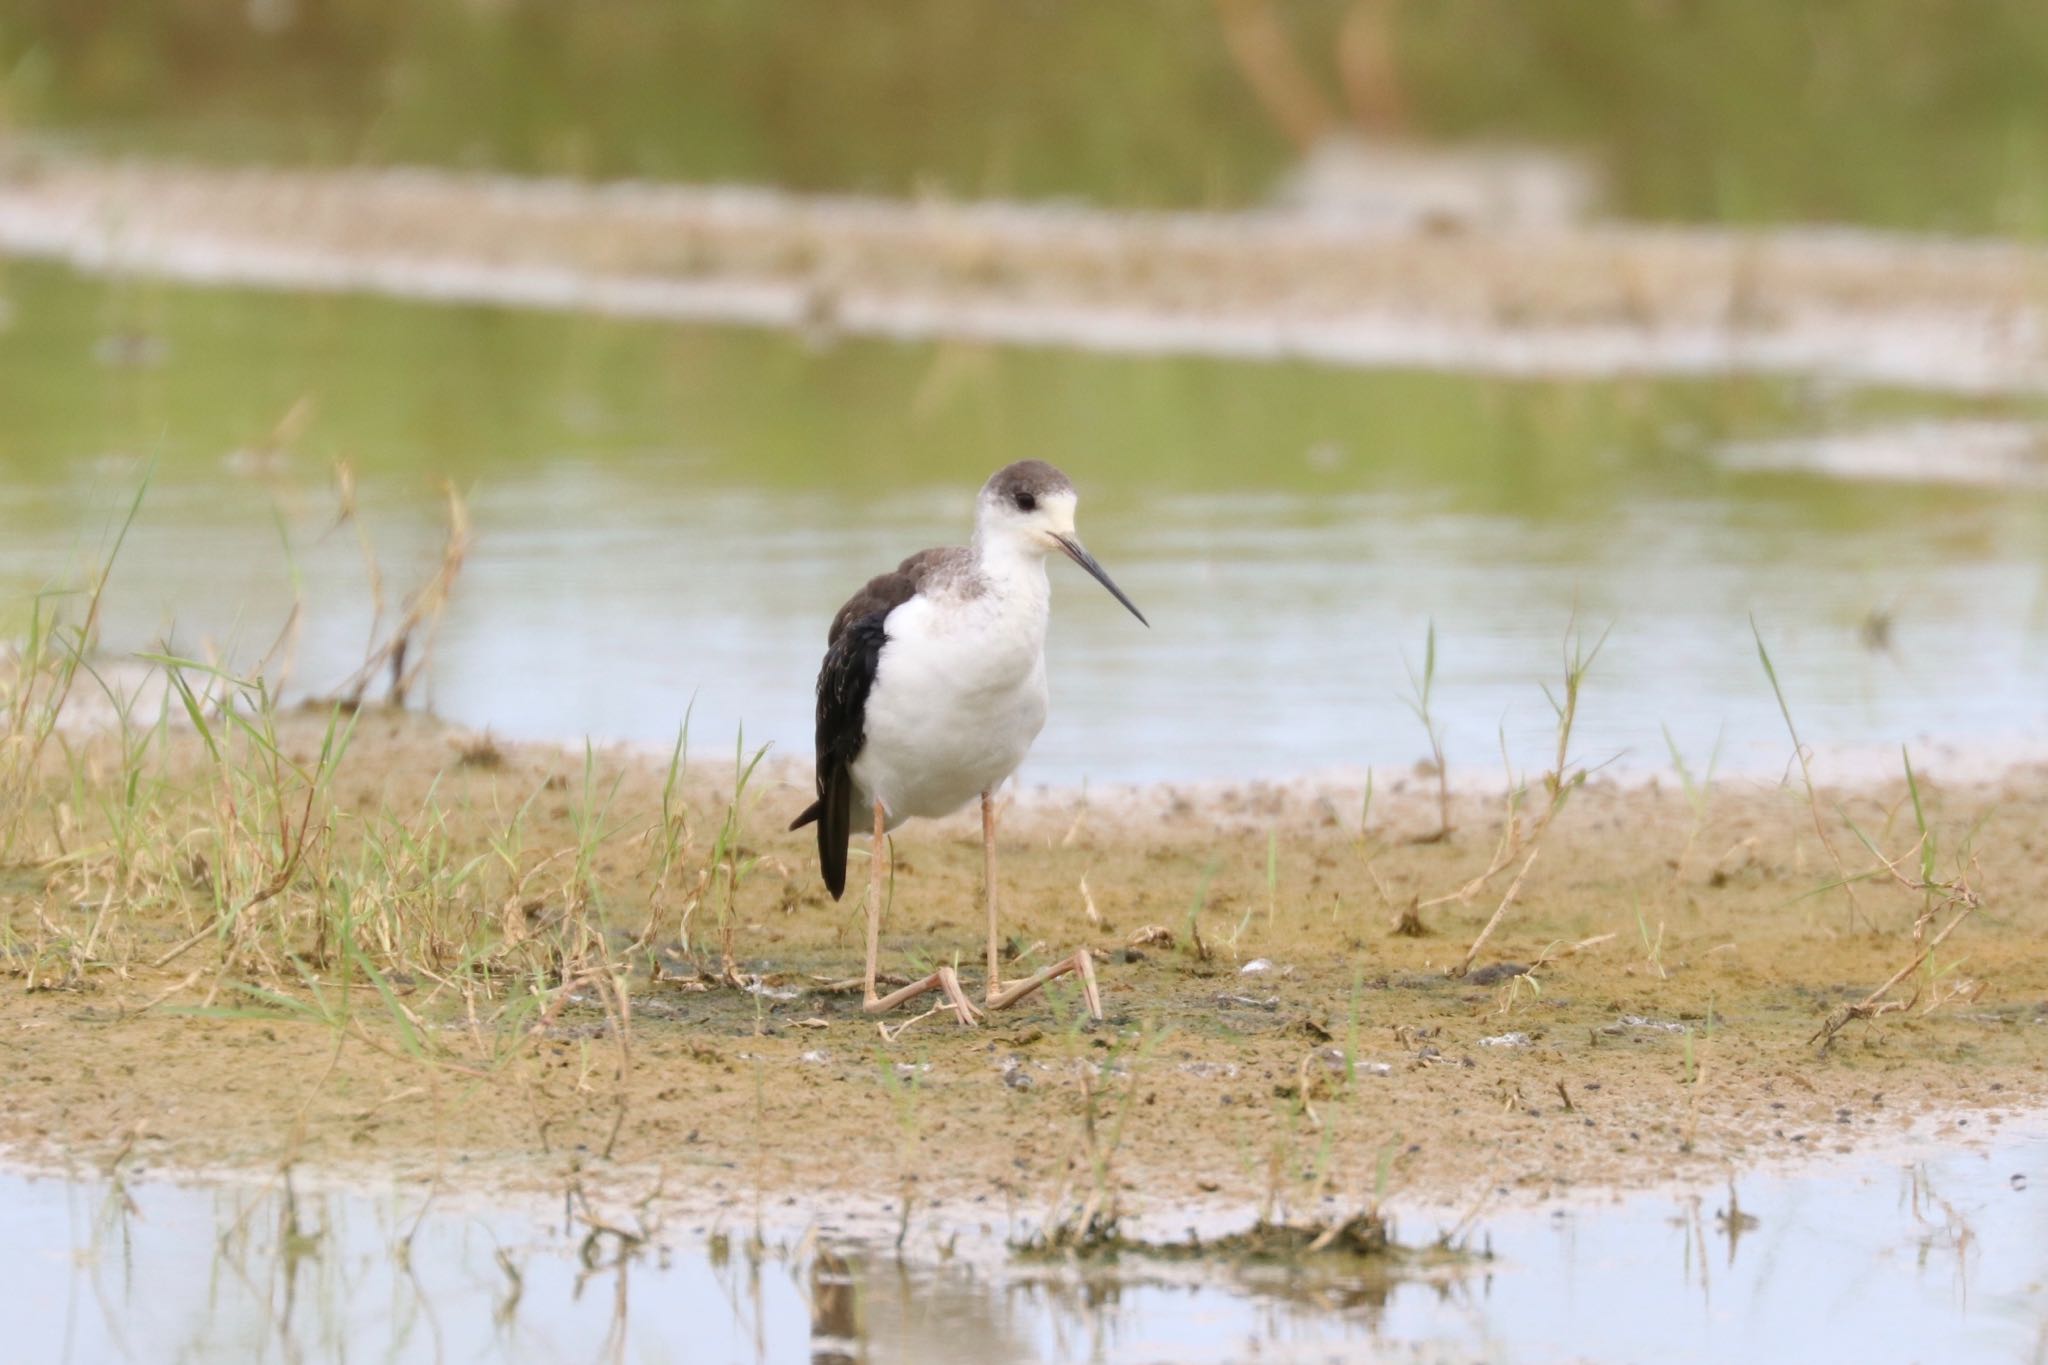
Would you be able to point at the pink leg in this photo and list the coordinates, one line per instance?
(988, 889)
(1081, 963)
(998, 995)
(944, 979)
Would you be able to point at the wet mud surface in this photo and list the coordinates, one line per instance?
(1281, 1033)
(1603, 298)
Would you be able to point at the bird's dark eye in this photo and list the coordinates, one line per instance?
(1026, 502)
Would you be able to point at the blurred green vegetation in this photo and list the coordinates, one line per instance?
(1926, 116)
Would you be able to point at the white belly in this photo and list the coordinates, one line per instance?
(958, 697)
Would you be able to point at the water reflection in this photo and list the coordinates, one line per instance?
(1939, 1258)
(835, 1327)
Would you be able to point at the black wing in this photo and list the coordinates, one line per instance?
(854, 652)
(843, 684)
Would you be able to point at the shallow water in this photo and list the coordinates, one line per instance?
(668, 516)
(1936, 1259)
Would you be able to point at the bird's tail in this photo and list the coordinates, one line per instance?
(835, 828)
(833, 814)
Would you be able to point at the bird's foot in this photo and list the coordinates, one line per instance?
(945, 980)
(1081, 964)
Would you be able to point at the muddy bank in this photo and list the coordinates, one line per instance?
(427, 991)
(1858, 306)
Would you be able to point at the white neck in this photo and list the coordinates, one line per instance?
(1014, 565)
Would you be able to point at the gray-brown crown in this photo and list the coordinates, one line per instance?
(1025, 484)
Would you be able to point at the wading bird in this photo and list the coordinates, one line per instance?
(932, 690)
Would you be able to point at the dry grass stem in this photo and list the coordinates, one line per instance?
(1514, 887)
(406, 649)
(1874, 1004)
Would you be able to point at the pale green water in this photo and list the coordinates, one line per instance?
(666, 513)
(1935, 1260)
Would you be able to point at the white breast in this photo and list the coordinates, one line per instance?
(958, 697)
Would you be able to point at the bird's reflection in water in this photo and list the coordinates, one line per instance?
(835, 1328)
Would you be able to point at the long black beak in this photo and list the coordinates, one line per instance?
(1099, 574)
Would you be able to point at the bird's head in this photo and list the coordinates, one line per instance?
(1030, 506)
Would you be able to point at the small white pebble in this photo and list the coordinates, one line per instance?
(1255, 966)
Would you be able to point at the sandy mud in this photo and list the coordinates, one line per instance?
(475, 965)
(1602, 299)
